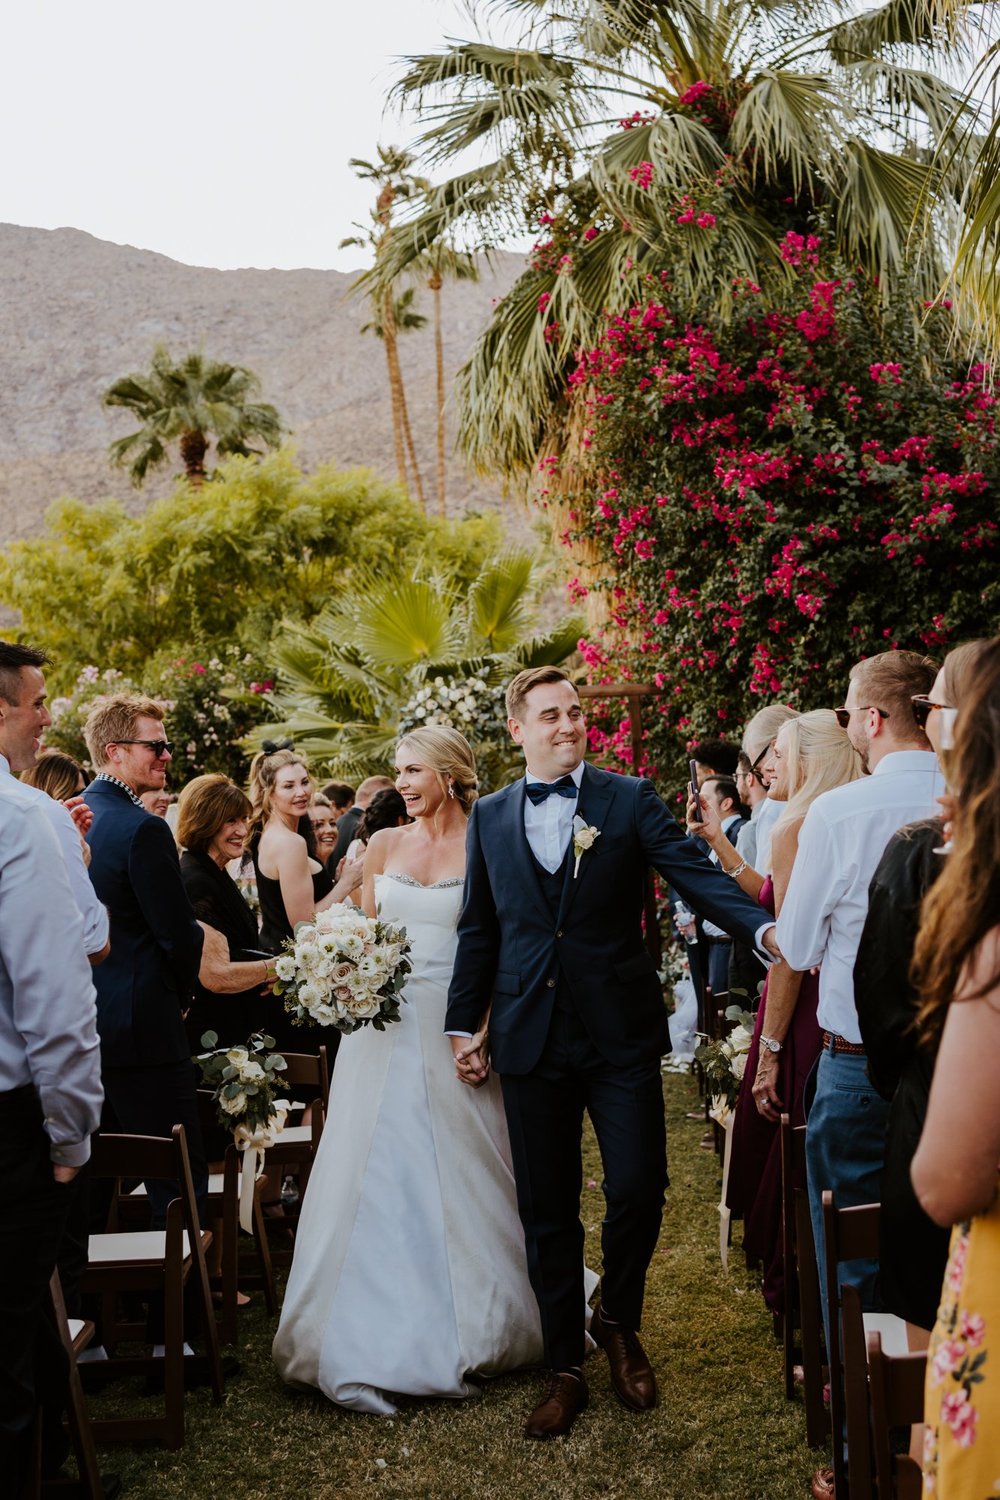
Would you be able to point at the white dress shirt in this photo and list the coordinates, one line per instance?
(48, 1011)
(549, 825)
(770, 811)
(841, 841)
(93, 911)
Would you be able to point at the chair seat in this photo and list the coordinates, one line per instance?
(295, 1135)
(139, 1245)
(216, 1182)
(891, 1329)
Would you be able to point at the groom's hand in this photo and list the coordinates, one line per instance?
(472, 1059)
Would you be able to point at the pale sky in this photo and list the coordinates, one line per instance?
(214, 131)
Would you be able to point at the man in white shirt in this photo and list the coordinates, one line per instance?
(842, 839)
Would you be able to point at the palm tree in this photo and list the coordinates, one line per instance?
(346, 679)
(439, 262)
(190, 403)
(392, 176)
(404, 319)
(684, 138)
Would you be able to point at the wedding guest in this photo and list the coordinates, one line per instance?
(722, 793)
(714, 758)
(957, 974)
(59, 776)
(912, 1249)
(812, 755)
(156, 801)
(841, 841)
(386, 810)
(156, 944)
(292, 884)
(212, 821)
(324, 827)
(347, 826)
(754, 842)
(50, 1104)
(340, 797)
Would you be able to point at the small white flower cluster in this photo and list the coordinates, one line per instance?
(736, 1047)
(246, 1070)
(343, 969)
(466, 705)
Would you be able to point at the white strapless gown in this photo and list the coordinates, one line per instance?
(409, 1275)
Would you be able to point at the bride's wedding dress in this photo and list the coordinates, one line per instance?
(409, 1275)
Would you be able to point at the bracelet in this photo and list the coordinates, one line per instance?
(267, 977)
(738, 870)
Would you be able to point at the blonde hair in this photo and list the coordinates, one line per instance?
(819, 757)
(112, 720)
(264, 770)
(55, 773)
(449, 754)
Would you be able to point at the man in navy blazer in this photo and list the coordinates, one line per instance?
(551, 960)
(146, 983)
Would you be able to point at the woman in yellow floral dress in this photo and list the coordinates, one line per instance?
(955, 1169)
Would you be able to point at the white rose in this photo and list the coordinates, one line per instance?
(251, 1072)
(739, 1064)
(236, 1105)
(237, 1056)
(285, 967)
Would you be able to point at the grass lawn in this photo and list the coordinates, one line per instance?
(723, 1428)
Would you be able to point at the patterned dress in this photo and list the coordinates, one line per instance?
(962, 1401)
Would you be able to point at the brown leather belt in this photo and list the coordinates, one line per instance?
(837, 1044)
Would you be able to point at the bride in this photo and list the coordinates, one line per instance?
(409, 1275)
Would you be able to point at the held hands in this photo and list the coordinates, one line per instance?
(765, 1087)
(472, 1058)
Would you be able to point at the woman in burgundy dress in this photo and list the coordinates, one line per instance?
(811, 755)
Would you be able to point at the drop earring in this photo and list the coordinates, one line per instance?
(451, 789)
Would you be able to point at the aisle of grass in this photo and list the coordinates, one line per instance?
(722, 1430)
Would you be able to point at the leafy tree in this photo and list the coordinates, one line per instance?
(220, 566)
(392, 652)
(749, 120)
(190, 403)
(772, 498)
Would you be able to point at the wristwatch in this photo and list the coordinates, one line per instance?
(771, 1044)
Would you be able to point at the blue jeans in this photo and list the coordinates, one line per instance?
(845, 1151)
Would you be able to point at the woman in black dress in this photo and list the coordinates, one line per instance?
(230, 998)
(292, 884)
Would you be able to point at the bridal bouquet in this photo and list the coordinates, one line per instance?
(344, 969)
(244, 1081)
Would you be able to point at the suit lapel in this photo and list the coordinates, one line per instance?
(592, 806)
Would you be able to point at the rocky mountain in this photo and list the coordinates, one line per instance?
(77, 312)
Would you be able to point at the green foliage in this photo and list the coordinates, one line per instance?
(244, 1080)
(210, 706)
(355, 675)
(811, 482)
(217, 566)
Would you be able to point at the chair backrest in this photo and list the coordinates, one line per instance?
(896, 1382)
(849, 1234)
(138, 1156)
(304, 1073)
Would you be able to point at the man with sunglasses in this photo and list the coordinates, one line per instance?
(156, 942)
(841, 842)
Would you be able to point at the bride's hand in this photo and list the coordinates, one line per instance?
(472, 1058)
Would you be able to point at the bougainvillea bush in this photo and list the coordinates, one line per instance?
(772, 497)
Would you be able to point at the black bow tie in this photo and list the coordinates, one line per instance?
(539, 790)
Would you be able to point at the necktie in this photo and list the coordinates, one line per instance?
(539, 790)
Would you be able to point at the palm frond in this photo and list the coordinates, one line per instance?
(401, 622)
(926, 24)
(879, 196)
(789, 123)
(498, 600)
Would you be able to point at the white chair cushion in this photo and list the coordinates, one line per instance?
(295, 1135)
(141, 1245)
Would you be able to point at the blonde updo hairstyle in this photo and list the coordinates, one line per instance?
(264, 770)
(449, 754)
(819, 755)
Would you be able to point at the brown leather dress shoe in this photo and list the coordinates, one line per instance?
(632, 1375)
(566, 1397)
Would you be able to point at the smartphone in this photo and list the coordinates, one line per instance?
(693, 770)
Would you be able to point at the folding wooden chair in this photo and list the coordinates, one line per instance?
(155, 1262)
(802, 1300)
(896, 1383)
(851, 1234)
(75, 1335)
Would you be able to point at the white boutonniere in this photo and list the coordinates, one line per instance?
(585, 836)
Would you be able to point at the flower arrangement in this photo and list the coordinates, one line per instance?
(476, 709)
(724, 1061)
(344, 969)
(244, 1081)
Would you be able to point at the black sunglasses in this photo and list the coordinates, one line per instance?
(922, 706)
(158, 747)
(844, 714)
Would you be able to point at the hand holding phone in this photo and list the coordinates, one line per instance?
(693, 772)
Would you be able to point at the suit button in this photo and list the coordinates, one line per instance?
(551, 984)
(559, 933)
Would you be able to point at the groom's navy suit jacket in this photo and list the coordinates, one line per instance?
(514, 950)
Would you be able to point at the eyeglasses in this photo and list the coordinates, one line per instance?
(160, 748)
(922, 706)
(844, 714)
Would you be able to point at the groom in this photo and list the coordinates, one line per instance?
(551, 934)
